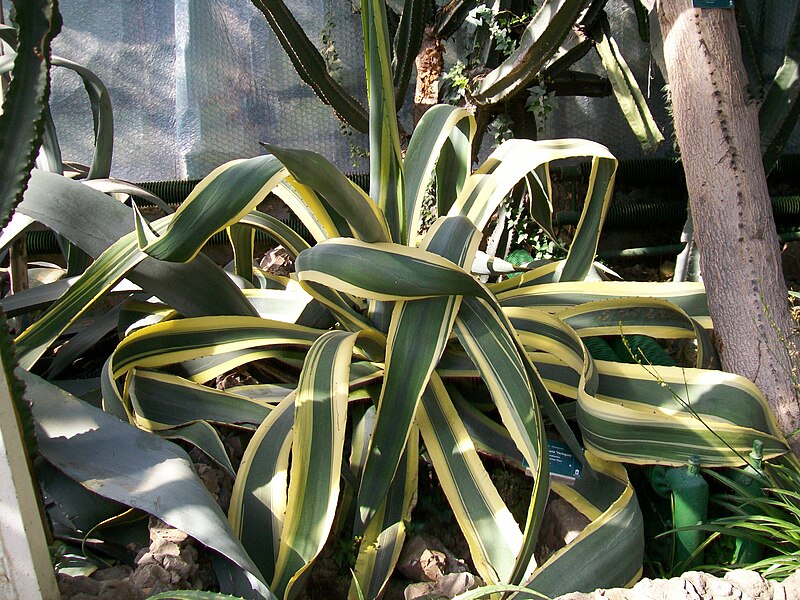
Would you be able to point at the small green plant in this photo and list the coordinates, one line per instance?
(767, 514)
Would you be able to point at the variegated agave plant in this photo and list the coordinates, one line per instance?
(336, 451)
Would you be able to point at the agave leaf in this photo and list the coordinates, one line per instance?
(173, 341)
(493, 536)
(385, 159)
(554, 297)
(121, 463)
(310, 65)
(161, 401)
(438, 126)
(342, 195)
(279, 305)
(203, 436)
(383, 271)
(489, 341)
(666, 414)
(383, 539)
(222, 198)
(513, 160)
(310, 208)
(242, 240)
(258, 500)
(282, 233)
(643, 316)
(417, 337)
(23, 118)
(102, 117)
(608, 552)
(109, 185)
(319, 431)
(541, 39)
(626, 90)
(453, 167)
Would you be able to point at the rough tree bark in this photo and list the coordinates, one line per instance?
(717, 129)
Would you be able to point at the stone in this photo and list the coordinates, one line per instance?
(423, 559)
(453, 584)
(425, 590)
(751, 584)
(151, 579)
(791, 586)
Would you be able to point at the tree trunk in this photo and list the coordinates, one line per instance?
(717, 130)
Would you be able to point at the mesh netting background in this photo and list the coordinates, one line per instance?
(197, 82)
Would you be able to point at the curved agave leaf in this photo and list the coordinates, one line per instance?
(493, 536)
(643, 316)
(417, 337)
(129, 466)
(109, 185)
(355, 208)
(513, 160)
(608, 552)
(173, 341)
(438, 126)
(222, 198)
(203, 436)
(665, 415)
(648, 414)
(317, 452)
(541, 39)
(285, 235)
(161, 401)
(102, 117)
(555, 297)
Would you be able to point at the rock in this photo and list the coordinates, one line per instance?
(453, 584)
(277, 262)
(709, 586)
(424, 558)
(425, 590)
(751, 584)
(577, 596)
(791, 586)
(694, 585)
(151, 579)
